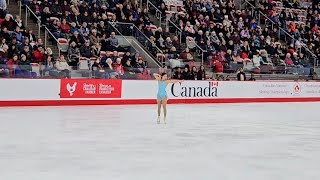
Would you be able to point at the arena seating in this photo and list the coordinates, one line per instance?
(267, 37)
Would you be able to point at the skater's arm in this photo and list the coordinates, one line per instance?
(173, 81)
(157, 76)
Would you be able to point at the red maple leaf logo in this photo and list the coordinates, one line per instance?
(214, 83)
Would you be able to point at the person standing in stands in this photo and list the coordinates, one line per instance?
(186, 73)
(193, 73)
(201, 75)
(162, 97)
(241, 75)
(177, 74)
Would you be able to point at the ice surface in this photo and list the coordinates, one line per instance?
(200, 142)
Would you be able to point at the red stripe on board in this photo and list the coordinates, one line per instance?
(150, 101)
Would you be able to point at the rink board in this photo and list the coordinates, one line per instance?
(56, 92)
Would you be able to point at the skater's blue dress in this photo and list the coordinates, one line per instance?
(162, 93)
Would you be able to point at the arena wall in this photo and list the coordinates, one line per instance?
(56, 92)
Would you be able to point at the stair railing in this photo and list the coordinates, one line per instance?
(29, 12)
(158, 12)
(48, 33)
(113, 25)
(178, 30)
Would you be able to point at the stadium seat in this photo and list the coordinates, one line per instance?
(120, 54)
(83, 63)
(103, 54)
(35, 68)
(63, 45)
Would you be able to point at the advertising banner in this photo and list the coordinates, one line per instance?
(90, 88)
(194, 89)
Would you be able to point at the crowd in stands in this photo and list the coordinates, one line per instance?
(231, 39)
(236, 38)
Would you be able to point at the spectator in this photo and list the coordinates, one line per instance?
(85, 50)
(97, 69)
(26, 51)
(18, 34)
(56, 9)
(45, 16)
(38, 55)
(241, 75)
(64, 27)
(8, 23)
(110, 73)
(48, 66)
(12, 65)
(177, 74)
(193, 73)
(5, 34)
(288, 60)
(168, 44)
(62, 67)
(4, 47)
(114, 44)
(24, 69)
(29, 36)
(13, 48)
(186, 73)
(118, 68)
(78, 39)
(37, 44)
(94, 39)
(95, 50)
(49, 52)
(4, 71)
(54, 27)
(74, 54)
(176, 44)
(186, 55)
(73, 28)
(129, 70)
(201, 75)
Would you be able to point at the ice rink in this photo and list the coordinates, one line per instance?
(199, 142)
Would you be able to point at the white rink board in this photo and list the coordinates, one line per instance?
(49, 89)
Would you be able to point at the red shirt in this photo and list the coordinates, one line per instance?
(11, 65)
(65, 28)
(38, 56)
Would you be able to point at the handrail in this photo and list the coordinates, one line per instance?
(302, 44)
(38, 19)
(112, 24)
(46, 31)
(169, 20)
(133, 25)
(157, 10)
(202, 50)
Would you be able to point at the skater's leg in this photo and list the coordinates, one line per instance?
(164, 105)
(159, 110)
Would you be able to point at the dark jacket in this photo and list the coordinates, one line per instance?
(239, 75)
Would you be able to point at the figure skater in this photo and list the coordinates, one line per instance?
(162, 97)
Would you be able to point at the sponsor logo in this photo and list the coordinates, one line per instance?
(71, 89)
(296, 89)
(184, 90)
(77, 88)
